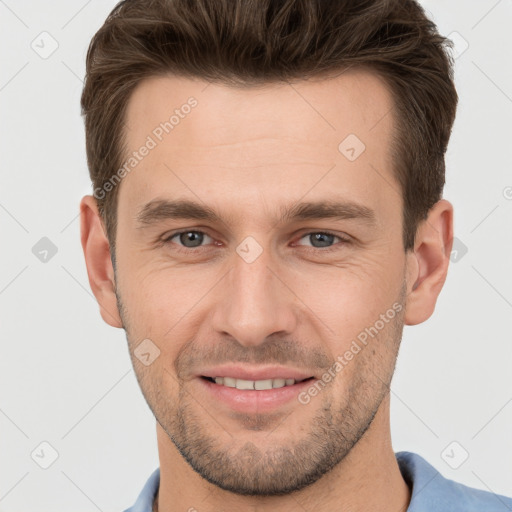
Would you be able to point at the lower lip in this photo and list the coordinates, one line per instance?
(254, 401)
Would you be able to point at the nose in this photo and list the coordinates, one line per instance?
(255, 302)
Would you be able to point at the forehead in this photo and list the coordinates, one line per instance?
(213, 139)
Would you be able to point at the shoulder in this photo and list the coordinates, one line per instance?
(432, 491)
(144, 502)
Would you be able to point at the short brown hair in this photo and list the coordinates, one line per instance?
(250, 42)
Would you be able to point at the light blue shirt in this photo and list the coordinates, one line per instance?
(431, 492)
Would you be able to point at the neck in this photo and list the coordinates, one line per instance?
(368, 478)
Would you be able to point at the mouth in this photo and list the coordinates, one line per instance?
(253, 389)
(254, 385)
(253, 396)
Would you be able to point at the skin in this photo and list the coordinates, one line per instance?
(247, 153)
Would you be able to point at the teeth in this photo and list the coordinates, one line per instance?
(278, 383)
(244, 384)
(254, 384)
(263, 384)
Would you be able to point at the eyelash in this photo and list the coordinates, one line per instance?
(186, 250)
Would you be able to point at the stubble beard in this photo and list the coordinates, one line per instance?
(244, 468)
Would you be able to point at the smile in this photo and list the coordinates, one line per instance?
(257, 385)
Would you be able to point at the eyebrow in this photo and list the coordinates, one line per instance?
(160, 209)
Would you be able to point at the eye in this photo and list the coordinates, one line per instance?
(323, 239)
(192, 239)
(188, 239)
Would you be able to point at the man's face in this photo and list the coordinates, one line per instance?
(262, 292)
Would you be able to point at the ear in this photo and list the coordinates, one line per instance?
(427, 264)
(97, 259)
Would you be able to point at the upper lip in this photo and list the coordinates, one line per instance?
(255, 373)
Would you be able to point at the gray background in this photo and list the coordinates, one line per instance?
(65, 376)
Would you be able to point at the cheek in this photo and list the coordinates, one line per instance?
(163, 304)
(359, 315)
(351, 298)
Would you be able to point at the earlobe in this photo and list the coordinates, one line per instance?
(428, 263)
(97, 258)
